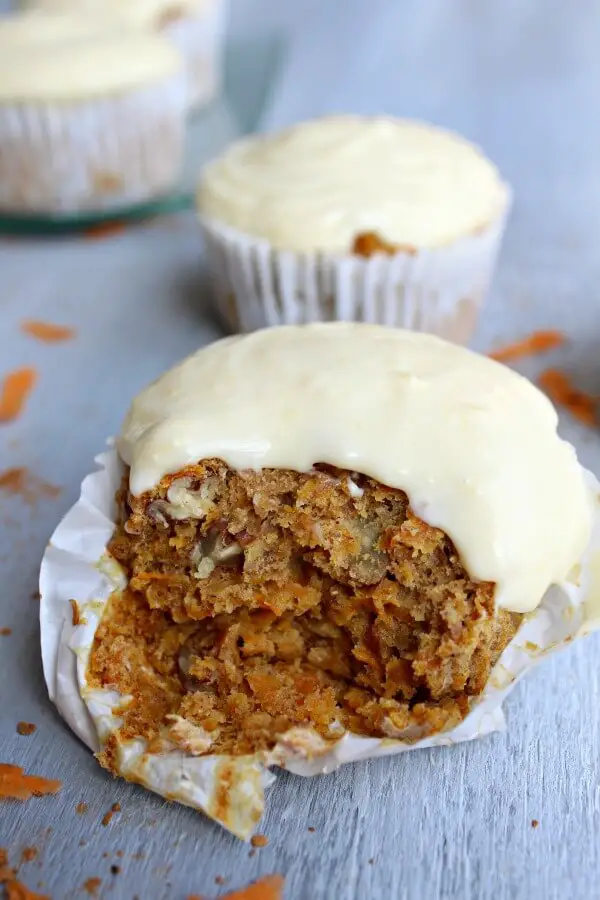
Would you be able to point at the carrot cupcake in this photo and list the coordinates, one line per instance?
(371, 219)
(195, 27)
(91, 114)
(305, 579)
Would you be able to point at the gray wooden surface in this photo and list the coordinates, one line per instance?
(523, 78)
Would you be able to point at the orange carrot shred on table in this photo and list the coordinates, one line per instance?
(16, 890)
(46, 331)
(15, 785)
(538, 342)
(268, 888)
(105, 229)
(15, 389)
(561, 391)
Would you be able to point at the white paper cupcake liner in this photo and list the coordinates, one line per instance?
(440, 291)
(75, 567)
(199, 37)
(92, 155)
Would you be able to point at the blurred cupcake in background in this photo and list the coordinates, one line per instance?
(92, 115)
(196, 28)
(349, 218)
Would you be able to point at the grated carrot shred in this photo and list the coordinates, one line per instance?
(538, 342)
(561, 391)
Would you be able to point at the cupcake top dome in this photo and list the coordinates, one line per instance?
(68, 56)
(319, 184)
(473, 444)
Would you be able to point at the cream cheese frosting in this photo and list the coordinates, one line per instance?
(66, 57)
(138, 13)
(473, 444)
(317, 185)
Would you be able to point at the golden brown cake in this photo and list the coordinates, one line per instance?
(327, 528)
(261, 601)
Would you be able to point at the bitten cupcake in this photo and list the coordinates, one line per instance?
(194, 26)
(312, 545)
(372, 219)
(91, 114)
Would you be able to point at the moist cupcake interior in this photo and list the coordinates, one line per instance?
(262, 601)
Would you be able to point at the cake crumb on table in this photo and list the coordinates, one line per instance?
(75, 614)
(25, 728)
(534, 823)
(46, 331)
(92, 885)
(107, 817)
(81, 808)
(220, 880)
(16, 785)
(20, 481)
(28, 854)
(538, 342)
(5, 631)
(259, 840)
(15, 390)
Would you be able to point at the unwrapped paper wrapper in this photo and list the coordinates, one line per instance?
(439, 290)
(230, 789)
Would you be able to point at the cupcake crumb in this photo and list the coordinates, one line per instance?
(25, 728)
(92, 885)
(534, 823)
(259, 840)
(107, 817)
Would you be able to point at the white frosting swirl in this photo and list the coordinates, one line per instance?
(472, 443)
(317, 185)
(63, 57)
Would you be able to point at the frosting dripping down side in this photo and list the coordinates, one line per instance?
(473, 444)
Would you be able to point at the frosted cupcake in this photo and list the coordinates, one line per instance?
(371, 219)
(194, 26)
(293, 574)
(91, 114)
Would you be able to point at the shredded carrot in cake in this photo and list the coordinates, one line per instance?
(15, 785)
(561, 391)
(369, 243)
(15, 390)
(538, 342)
(46, 331)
